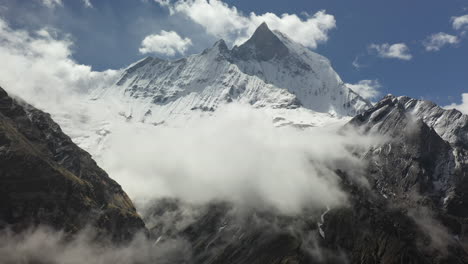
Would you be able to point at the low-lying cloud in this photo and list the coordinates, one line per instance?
(237, 155)
(44, 245)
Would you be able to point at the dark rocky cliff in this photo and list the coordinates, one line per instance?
(45, 179)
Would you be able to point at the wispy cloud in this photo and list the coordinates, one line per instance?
(52, 3)
(436, 41)
(57, 3)
(44, 245)
(356, 63)
(391, 51)
(87, 3)
(460, 23)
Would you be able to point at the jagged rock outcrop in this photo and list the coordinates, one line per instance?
(415, 178)
(45, 179)
(415, 159)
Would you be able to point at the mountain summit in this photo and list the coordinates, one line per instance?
(268, 70)
(264, 45)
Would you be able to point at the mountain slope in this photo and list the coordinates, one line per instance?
(45, 179)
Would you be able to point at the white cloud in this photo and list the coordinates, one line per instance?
(222, 21)
(460, 23)
(436, 41)
(167, 42)
(463, 107)
(41, 70)
(395, 51)
(368, 89)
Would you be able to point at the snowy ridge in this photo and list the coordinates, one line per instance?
(434, 137)
(451, 125)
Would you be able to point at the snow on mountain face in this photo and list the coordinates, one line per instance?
(451, 125)
(269, 70)
(415, 155)
(427, 151)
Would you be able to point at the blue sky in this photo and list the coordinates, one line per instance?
(109, 34)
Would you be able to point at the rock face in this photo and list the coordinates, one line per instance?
(46, 179)
(415, 210)
(219, 232)
(415, 159)
(427, 152)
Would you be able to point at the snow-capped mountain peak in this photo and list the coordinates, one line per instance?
(268, 70)
(264, 45)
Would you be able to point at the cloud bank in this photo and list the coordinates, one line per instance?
(236, 155)
(227, 22)
(167, 42)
